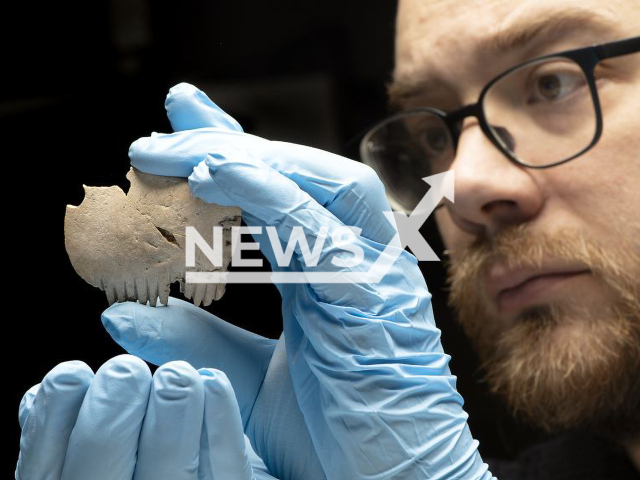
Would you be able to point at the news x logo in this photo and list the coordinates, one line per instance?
(343, 239)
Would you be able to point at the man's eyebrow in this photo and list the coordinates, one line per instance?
(553, 25)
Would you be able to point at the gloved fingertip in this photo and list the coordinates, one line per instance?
(182, 88)
(184, 97)
(126, 378)
(213, 373)
(176, 380)
(202, 186)
(217, 383)
(26, 403)
(137, 147)
(143, 330)
(118, 321)
(190, 108)
(72, 374)
(66, 380)
(128, 366)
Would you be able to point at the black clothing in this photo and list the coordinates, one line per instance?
(570, 457)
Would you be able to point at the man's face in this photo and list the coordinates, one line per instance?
(544, 264)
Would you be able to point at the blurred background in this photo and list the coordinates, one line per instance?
(81, 81)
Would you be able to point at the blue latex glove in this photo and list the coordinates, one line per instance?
(256, 367)
(122, 423)
(367, 367)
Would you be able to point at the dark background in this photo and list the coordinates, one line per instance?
(82, 81)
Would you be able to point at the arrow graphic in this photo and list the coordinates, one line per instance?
(442, 186)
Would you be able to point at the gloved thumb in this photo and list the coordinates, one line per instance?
(182, 331)
(189, 108)
(26, 404)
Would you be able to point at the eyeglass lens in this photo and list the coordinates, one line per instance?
(541, 113)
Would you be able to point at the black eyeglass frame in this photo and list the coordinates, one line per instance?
(586, 58)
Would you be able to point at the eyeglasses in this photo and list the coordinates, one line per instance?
(539, 114)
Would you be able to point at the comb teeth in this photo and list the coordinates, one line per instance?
(219, 290)
(130, 288)
(164, 289)
(141, 290)
(111, 293)
(202, 293)
(187, 289)
(209, 294)
(154, 289)
(199, 293)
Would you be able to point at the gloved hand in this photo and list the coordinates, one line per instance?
(367, 367)
(122, 423)
(255, 366)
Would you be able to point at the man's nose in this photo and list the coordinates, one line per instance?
(491, 191)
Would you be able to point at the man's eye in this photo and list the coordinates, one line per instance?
(436, 139)
(554, 86)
